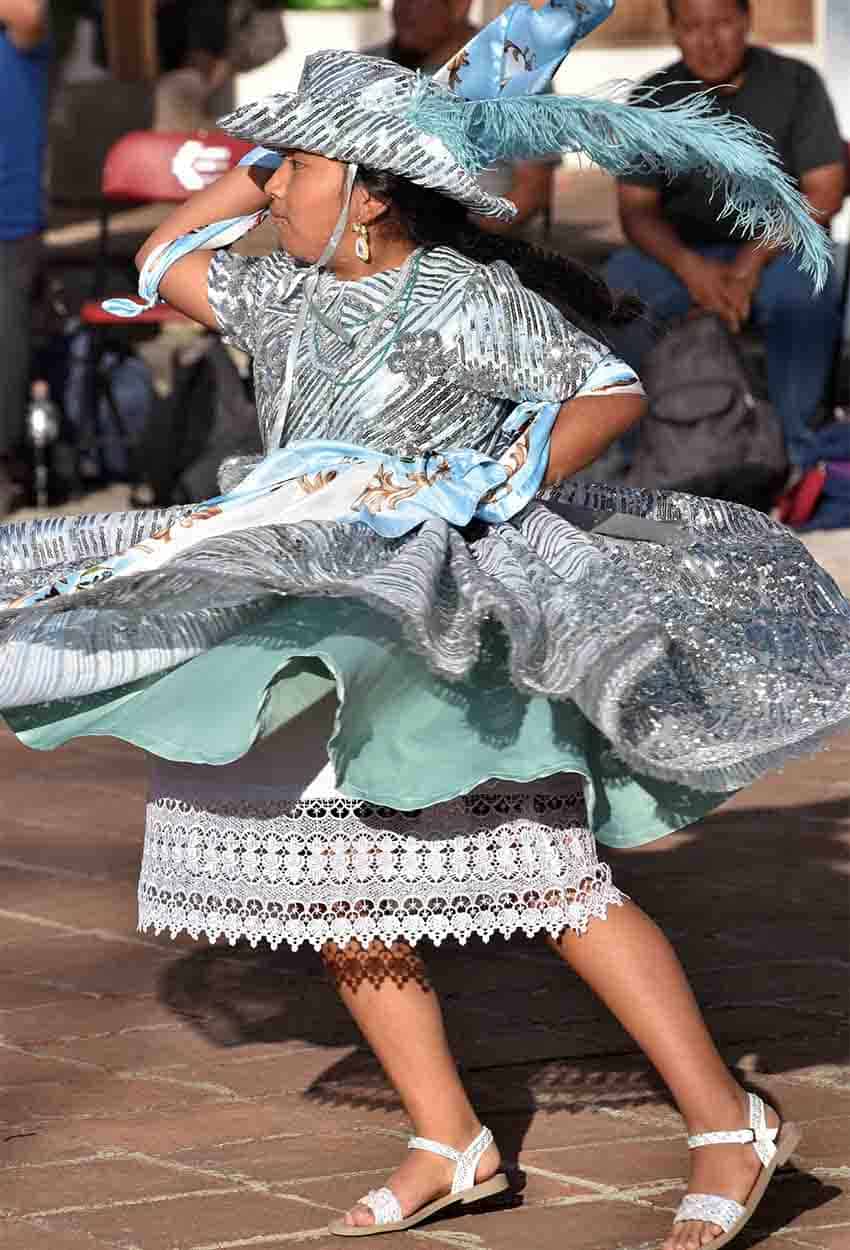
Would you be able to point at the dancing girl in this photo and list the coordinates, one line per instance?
(400, 677)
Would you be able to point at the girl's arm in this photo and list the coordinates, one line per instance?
(585, 427)
(239, 192)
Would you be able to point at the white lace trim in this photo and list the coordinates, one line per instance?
(288, 869)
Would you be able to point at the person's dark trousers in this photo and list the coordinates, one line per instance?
(800, 329)
(20, 260)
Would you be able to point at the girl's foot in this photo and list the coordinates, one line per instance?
(424, 1176)
(728, 1171)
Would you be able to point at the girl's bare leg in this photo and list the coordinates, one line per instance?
(387, 991)
(628, 962)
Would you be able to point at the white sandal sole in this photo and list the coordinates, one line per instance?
(496, 1185)
(786, 1144)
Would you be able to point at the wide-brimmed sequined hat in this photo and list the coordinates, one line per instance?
(492, 102)
(353, 108)
(365, 110)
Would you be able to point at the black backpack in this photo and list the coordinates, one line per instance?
(705, 432)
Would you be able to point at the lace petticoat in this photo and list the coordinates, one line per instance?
(276, 867)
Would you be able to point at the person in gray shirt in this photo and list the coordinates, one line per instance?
(426, 35)
(684, 255)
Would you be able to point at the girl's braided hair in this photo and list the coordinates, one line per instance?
(431, 219)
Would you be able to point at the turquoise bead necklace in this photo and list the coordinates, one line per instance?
(400, 298)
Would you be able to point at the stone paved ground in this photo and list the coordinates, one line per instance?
(162, 1097)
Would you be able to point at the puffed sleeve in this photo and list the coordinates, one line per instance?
(233, 291)
(514, 344)
(611, 376)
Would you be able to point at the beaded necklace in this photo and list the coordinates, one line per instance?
(389, 317)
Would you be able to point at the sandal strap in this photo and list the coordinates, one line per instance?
(465, 1161)
(384, 1205)
(740, 1136)
(709, 1209)
(758, 1135)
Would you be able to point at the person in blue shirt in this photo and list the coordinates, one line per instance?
(24, 62)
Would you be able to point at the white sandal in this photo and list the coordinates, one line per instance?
(385, 1206)
(773, 1147)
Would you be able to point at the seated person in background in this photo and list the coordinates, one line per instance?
(426, 34)
(685, 257)
(192, 39)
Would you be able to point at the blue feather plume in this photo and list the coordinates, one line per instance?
(625, 139)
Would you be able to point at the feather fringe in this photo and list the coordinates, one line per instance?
(625, 138)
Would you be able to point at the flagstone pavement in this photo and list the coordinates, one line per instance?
(162, 1096)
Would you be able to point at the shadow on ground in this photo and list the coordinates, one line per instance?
(756, 903)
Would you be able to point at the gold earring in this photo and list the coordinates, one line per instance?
(361, 247)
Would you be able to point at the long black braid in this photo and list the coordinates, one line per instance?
(431, 219)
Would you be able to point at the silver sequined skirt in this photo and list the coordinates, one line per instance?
(669, 649)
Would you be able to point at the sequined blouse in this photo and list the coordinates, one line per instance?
(444, 368)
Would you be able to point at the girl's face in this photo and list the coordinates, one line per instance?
(306, 195)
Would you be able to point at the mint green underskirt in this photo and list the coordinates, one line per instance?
(403, 738)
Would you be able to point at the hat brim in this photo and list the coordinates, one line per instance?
(331, 126)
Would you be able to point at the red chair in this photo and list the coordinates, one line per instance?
(143, 167)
